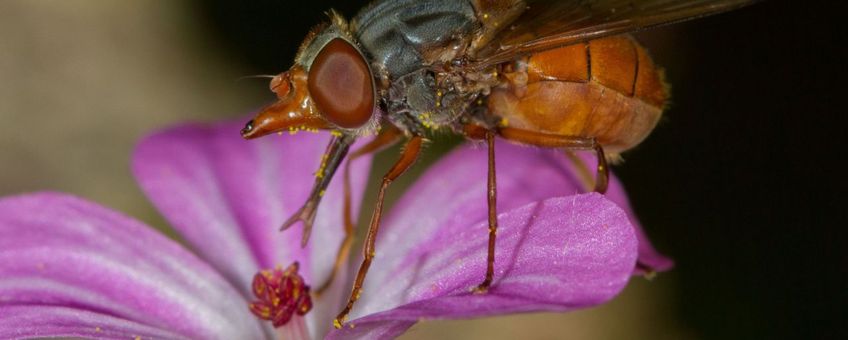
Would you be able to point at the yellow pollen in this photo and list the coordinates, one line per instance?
(336, 133)
(337, 324)
(485, 16)
(320, 172)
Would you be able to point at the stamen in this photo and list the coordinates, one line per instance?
(281, 294)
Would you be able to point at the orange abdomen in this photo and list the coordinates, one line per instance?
(608, 89)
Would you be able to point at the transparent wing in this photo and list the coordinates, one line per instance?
(544, 24)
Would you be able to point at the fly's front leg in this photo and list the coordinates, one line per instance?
(563, 142)
(389, 136)
(408, 157)
(336, 151)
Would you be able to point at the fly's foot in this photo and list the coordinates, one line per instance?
(305, 214)
(482, 288)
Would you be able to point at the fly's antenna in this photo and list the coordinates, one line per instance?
(270, 76)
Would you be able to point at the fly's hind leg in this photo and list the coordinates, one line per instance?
(601, 180)
(387, 137)
(569, 143)
(530, 138)
(408, 157)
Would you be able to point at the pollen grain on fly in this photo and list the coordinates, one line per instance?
(323, 168)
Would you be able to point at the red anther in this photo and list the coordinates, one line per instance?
(281, 294)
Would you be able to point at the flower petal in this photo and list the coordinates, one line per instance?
(649, 257)
(453, 193)
(64, 322)
(555, 255)
(75, 260)
(228, 196)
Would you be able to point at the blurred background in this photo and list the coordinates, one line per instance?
(741, 183)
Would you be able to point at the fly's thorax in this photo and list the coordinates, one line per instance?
(417, 103)
(403, 36)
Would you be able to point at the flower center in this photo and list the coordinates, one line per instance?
(281, 294)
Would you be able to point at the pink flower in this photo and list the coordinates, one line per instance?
(69, 267)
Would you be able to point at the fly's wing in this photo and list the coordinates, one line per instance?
(524, 26)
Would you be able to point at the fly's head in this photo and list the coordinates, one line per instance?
(329, 87)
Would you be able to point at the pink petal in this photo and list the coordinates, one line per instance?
(64, 322)
(81, 264)
(228, 196)
(649, 257)
(451, 196)
(453, 193)
(555, 255)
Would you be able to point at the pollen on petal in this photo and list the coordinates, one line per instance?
(281, 294)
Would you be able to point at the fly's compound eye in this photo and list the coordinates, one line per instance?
(341, 85)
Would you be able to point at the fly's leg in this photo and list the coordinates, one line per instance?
(602, 177)
(389, 136)
(601, 180)
(492, 193)
(531, 138)
(336, 151)
(563, 142)
(408, 157)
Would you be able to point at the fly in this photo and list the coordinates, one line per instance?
(545, 73)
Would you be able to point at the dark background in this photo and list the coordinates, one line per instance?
(741, 183)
